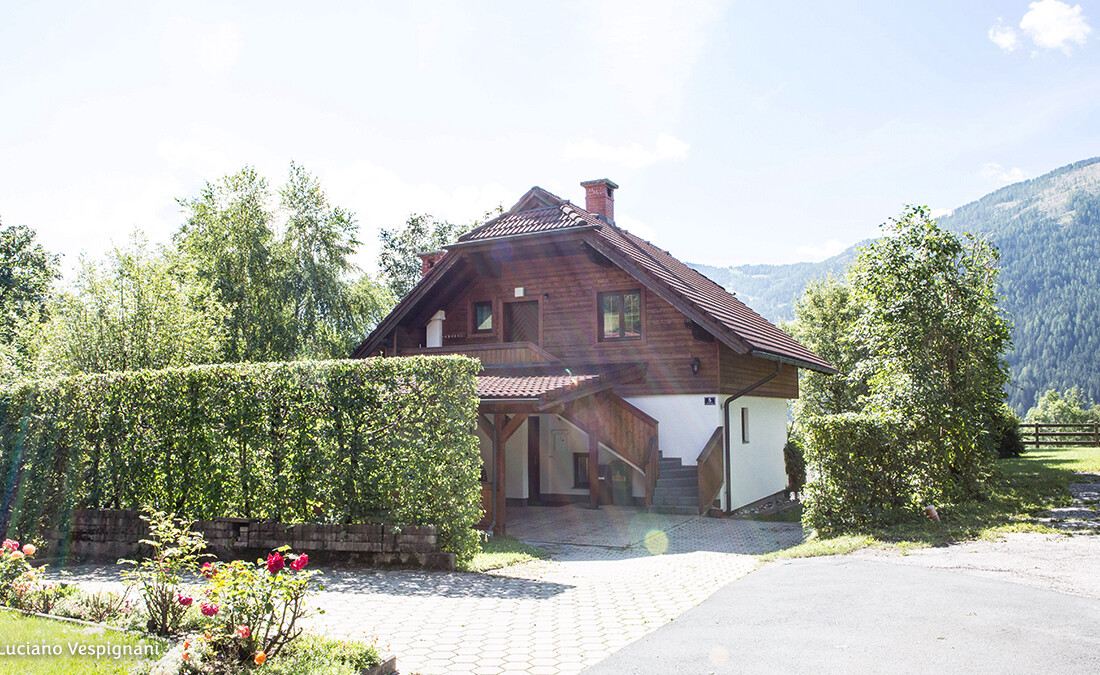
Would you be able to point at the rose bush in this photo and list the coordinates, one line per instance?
(257, 606)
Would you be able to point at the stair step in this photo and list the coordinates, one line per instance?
(676, 492)
(678, 481)
(675, 510)
(677, 501)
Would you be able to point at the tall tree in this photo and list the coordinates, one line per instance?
(315, 253)
(282, 268)
(937, 339)
(825, 320)
(137, 309)
(398, 257)
(26, 272)
(228, 241)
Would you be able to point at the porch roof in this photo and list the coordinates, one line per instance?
(546, 385)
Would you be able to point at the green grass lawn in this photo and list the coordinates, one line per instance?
(1024, 487)
(17, 629)
(501, 552)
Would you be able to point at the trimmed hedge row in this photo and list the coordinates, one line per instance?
(867, 473)
(329, 441)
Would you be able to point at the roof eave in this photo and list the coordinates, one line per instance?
(801, 363)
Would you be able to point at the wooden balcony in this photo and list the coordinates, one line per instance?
(491, 353)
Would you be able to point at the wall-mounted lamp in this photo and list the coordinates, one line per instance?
(695, 366)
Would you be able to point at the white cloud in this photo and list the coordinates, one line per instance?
(942, 213)
(632, 156)
(808, 253)
(1050, 24)
(1054, 25)
(992, 171)
(1004, 36)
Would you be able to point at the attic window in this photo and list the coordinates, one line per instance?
(620, 315)
(483, 317)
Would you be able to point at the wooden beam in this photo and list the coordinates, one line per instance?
(485, 425)
(594, 468)
(499, 474)
(595, 256)
(511, 427)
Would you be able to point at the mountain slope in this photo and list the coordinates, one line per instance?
(1048, 232)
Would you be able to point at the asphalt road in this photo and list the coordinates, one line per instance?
(842, 615)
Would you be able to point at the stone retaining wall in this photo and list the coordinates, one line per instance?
(102, 534)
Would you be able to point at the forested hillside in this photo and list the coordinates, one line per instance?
(1048, 232)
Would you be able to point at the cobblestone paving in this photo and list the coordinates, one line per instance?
(607, 584)
(556, 616)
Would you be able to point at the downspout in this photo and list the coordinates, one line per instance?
(726, 427)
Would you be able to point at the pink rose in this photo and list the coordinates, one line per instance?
(10, 545)
(184, 600)
(298, 563)
(275, 562)
(18, 555)
(208, 608)
(28, 550)
(243, 632)
(208, 570)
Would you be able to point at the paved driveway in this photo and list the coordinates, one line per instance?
(850, 615)
(616, 575)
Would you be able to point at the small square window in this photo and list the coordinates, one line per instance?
(483, 317)
(580, 470)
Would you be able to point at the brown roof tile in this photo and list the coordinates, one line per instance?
(539, 212)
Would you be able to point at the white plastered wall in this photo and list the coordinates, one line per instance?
(560, 440)
(756, 467)
(684, 422)
(515, 465)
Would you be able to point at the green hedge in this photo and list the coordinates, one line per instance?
(866, 472)
(330, 441)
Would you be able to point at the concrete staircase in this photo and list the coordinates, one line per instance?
(677, 489)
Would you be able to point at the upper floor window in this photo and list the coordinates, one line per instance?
(620, 315)
(483, 317)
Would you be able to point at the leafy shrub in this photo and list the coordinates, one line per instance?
(14, 566)
(865, 473)
(1006, 432)
(794, 458)
(331, 441)
(254, 608)
(175, 549)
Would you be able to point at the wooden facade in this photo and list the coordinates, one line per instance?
(539, 271)
(564, 282)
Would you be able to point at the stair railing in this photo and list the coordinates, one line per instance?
(711, 471)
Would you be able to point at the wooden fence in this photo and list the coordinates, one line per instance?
(1048, 435)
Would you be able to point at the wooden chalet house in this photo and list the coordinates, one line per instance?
(610, 368)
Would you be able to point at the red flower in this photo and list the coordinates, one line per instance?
(208, 570)
(10, 545)
(275, 562)
(243, 632)
(208, 608)
(298, 563)
(184, 600)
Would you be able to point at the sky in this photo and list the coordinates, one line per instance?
(738, 132)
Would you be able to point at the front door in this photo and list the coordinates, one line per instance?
(521, 322)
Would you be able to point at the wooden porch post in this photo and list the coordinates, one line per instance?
(594, 467)
(499, 473)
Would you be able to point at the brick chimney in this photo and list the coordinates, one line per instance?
(599, 198)
(428, 260)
